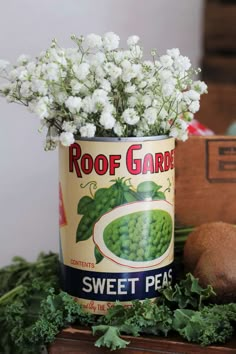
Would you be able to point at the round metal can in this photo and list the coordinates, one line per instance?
(116, 219)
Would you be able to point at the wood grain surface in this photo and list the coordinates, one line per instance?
(218, 107)
(81, 341)
(220, 28)
(205, 180)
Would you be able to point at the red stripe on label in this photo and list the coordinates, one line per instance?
(62, 214)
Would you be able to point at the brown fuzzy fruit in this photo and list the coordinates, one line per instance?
(210, 255)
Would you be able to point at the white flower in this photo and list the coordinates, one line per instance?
(132, 40)
(3, 64)
(111, 41)
(69, 127)
(60, 97)
(39, 86)
(165, 75)
(107, 120)
(25, 89)
(174, 132)
(105, 85)
(182, 63)
(166, 61)
(40, 107)
(200, 87)
(23, 59)
(173, 53)
(52, 72)
(146, 100)
(81, 71)
(97, 59)
(130, 116)
(132, 101)
(99, 73)
(112, 70)
(136, 52)
(97, 86)
(31, 67)
(88, 130)
(150, 115)
(93, 41)
(118, 129)
(191, 95)
(57, 55)
(73, 104)
(167, 90)
(130, 88)
(142, 128)
(87, 104)
(75, 86)
(194, 107)
(67, 138)
(23, 75)
(99, 99)
(129, 71)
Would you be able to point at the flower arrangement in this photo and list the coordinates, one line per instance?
(97, 89)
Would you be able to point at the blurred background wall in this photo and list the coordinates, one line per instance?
(28, 175)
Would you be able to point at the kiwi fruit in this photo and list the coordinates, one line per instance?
(210, 255)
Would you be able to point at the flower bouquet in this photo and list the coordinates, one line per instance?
(97, 89)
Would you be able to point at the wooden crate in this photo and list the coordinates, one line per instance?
(219, 68)
(218, 65)
(205, 180)
(218, 107)
(220, 28)
(81, 341)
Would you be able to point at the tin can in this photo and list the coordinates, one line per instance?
(116, 219)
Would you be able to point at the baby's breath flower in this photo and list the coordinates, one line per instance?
(67, 138)
(107, 120)
(150, 115)
(88, 130)
(97, 89)
(132, 40)
(173, 53)
(194, 107)
(23, 59)
(111, 41)
(81, 71)
(166, 61)
(73, 104)
(130, 116)
(93, 41)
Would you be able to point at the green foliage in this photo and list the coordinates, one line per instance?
(110, 338)
(34, 310)
(211, 325)
(186, 293)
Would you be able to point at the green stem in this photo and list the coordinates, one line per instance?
(11, 293)
(184, 231)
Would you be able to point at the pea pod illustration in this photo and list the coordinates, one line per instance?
(85, 228)
(147, 189)
(159, 195)
(98, 256)
(84, 204)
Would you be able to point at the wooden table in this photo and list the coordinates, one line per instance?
(81, 341)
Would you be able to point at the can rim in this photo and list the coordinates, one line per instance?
(122, 139)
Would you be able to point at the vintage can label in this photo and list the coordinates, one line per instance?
(116, 220)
